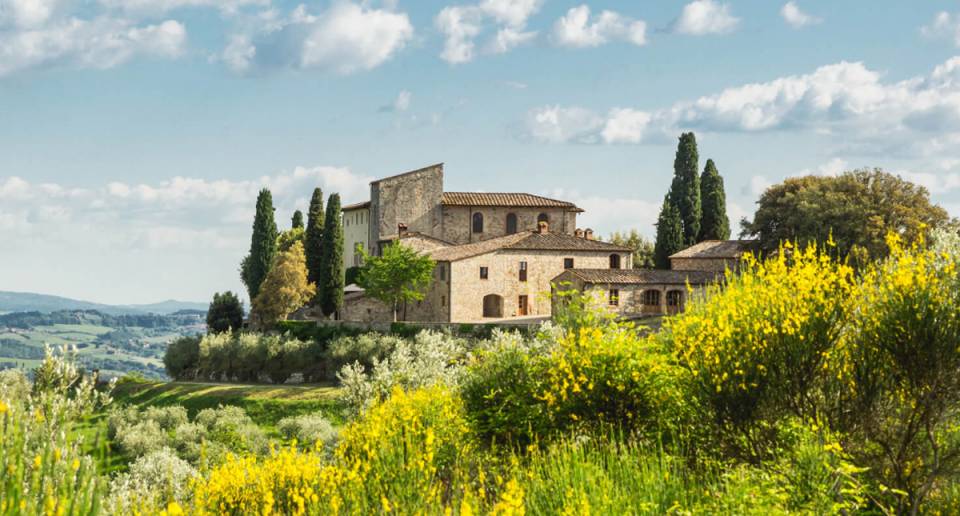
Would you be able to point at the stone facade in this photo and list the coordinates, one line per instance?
(411, 199)
(704, 264)
(360, 308)
(631, 300)
(458, 227)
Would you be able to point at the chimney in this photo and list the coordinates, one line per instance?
(401, 229)
(588, 234)
(578, 233)
(542, 227)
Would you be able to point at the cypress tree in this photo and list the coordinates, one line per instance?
(314, 235)
(685, 189)
(297, 220)
(263, 245)
(669, 235)
(715, 225)
(330, 283)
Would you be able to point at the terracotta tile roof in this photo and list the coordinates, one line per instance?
(354, 206)
(644, 276)
(518, 200)
(716, 249)
(526, 241)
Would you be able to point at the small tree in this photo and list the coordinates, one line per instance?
(284, 290)
(313, 237)
(642, 248)
(715, 225)
(330, 281)
(297, 220)
(182, 358)
(669, 235)
(263, 245)
(225, 313)
(398, 276)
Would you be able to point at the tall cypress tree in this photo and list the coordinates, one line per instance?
(685, 189)
(669, 235)
(263, 245)
(330, 284)
(715, 225)
(313, 239)
(297, 220)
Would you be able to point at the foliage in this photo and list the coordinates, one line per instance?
(285, 288)
(296, 221)
(225, 313)
(685, 189)
(251, 356)
(669, 235)
(642, 248)
(263, 245)
(856, 209)
(351, 275)
(311, 430)
(330, 279)
(399, 275)
(364, 349)
(313, 236)
(286, 239)
(153, 480)
(715, 225)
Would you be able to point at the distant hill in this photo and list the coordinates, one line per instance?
(30, 302)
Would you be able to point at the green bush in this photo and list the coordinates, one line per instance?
(366, 349)
(309, 430)
(181, 358)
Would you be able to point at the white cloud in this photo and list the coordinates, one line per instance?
(701, 17)
(832, 168)
(153, 7)
(944, 25)
(845, 96)
(461, 25)
(27, 13)
(239, 53)
(402, 103)
(576, 29)
(936, 184)
(99, 43)
(796, 18)
(556, 124)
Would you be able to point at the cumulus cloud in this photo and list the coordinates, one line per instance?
(796, 18)
(461, 25)
(944, 25)
(153, 7)
(702, 17)
(577, 29)
(842, 96)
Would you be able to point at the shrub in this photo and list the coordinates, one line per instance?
(233, 428)
(167, 418)
(14, 385)
(153, 480)
(312, 430)
(181, 357)
(140, 438)
(365, 349)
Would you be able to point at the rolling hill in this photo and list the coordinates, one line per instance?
(31, 302)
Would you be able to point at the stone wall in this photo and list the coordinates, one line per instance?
(359, 308)
(703, 264)
(630, 299)
(356, 230)
(412, 199)
(458, 222)
(435, 306)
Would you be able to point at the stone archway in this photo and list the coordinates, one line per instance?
(492, 305)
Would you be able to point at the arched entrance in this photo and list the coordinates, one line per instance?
(492, 305)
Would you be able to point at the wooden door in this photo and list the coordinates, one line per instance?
(523, 307)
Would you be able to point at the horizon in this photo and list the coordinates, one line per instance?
(134, 147)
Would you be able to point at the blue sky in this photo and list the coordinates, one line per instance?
(135, 133)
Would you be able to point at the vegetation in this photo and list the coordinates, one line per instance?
(296, 222)
(669, 235)
(856, 209)
(313, 236)
(331, 276)
(715, 224)
(685, 190)
(642, 248)
(263, 245)
(399, 275)
(284, 290)
(225, 313)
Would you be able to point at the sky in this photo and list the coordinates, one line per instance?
(135, 134)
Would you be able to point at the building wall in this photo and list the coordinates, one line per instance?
(360, 308)
(435, 306)
(468, 290)
(630, 300)
(458, 222)
(356, 230)
(703, 264)
(412, 199)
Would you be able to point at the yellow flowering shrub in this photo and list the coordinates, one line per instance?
(757, 343)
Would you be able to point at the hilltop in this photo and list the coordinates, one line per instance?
(33, 302)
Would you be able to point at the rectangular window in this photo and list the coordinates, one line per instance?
(568, 263)
(614, 297)
(443, 301)
(484, 273)
(443, 272)
(523, 271)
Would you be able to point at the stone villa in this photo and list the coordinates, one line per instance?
(497, 254)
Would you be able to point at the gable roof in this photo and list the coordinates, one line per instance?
(356, 205)
(716, 249)
(513, 200)
(644, 276)
(525, 241)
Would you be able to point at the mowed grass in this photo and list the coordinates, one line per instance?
(265, 404)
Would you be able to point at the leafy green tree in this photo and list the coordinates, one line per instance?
(297, 220)
(284, 290)
(263, 245)
(642, 248)
(330, 282)
(669, 235)
(398, 276)
(685, 189)
(858, 209)
(182, 357)
(289, 237)
(714, 225)
(225, 313)
(313, 240)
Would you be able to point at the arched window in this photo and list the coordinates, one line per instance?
(511, 223)
(478, 223)
(614, 261)
(543, 217)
